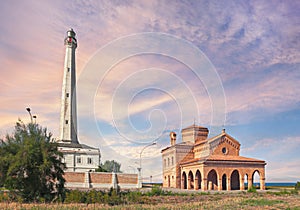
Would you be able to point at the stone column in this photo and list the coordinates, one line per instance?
(242, 184)
(219, 184)
(204, 184)
(228, 184)
(87, 180)
(196, 183)
(262, 183)
(249, 183)
(114, 182)
(188, 183)
(210, 185)
(140, 184)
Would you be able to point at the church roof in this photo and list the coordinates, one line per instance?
(194, 126)
(180, 144)
(215, 158)
(232, 158)
(223, 134)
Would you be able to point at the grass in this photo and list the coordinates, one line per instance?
(161, 199)
(260, 202)
(252, 189)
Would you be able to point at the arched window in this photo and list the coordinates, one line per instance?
(168, 161)
(172, 160)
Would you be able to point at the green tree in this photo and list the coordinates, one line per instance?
(30, 164)
(100, 169)
(110, 166)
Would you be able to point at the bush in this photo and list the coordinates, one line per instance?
(4, 196)
(252, 189)
(75, 196)
(155, 191)
(134, 197)
(94, 196)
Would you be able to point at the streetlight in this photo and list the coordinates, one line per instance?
(28, 110)
(34, 117)
(140, 168)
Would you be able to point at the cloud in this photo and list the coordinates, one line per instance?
(283, 171)
(280, 155)
(253, 45)
(276, 147)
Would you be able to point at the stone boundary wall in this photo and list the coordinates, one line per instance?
(101, 180)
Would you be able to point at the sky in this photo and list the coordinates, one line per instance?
(145, 68)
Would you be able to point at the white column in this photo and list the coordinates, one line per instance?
(87, 180)
(140, 184)
(114, 181)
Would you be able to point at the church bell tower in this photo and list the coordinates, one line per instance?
(68, 113)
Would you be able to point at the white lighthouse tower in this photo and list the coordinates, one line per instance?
(68, 113)
(78, 157)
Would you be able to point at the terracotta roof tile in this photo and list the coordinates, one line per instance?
(221, 158)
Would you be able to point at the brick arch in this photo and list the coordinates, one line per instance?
(235, 180)
(224, 181)
(212, 180)
(261, 173)
(198, 180)
(190, 180)
(252, 175)
(183, 180)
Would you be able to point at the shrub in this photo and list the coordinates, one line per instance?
(75, 196)
(252, 189)
(4, 196)
(134, 197)
(156, 191)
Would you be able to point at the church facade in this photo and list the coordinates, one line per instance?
(202, 163)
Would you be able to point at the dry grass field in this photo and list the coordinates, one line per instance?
(270, 199)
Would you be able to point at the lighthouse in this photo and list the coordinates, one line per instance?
(68, 113)
(77, 157)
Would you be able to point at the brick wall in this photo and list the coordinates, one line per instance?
(74, 176)
(127, 178)
(101, 178)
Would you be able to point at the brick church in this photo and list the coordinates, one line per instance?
(202, 163)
